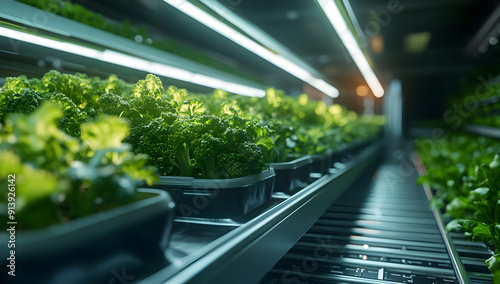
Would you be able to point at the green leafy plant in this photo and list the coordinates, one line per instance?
(148, 101)
(200, 146)
(464, 169)
(60, 178)
(298, 126)
(24, 101)
(480, 99)
(185, 133)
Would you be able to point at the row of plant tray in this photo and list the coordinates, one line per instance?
(233, 198)
(124, 236)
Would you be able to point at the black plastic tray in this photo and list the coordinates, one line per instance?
(346, 151)
(93, 249)
(293, 175)
(322, 162)
(343, 153)
(219, 198)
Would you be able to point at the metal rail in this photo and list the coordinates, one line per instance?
(489, 131)
(458, 266)
(41, 22)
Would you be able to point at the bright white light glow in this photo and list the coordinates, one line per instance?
(337, 20)
(257, 34)
(380, 274)
(134, 63)
(276, 59)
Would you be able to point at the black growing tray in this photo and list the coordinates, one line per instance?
(293, 175)
(94, 248)
(219, 198)
(346, 151)
(322, 162)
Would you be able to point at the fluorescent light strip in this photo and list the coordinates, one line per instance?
(134, 63)
(337, 20)
(276, 59)
(256, 33)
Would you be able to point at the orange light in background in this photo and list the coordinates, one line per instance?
(377, 44)
(362, 90)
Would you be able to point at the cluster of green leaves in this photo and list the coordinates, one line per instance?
(299, 126)
(182, 139)
(59, 177)
(126, 29)
(202, 146)
(77, 95)
(63, 137)
(170, 126)
(478, 101)
(488, 109)
(465, 171)
(186, 134)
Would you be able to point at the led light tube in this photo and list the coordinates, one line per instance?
(257, 34)
(133, 62)
(337, 20)
(276, 59)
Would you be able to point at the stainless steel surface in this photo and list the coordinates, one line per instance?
(457, 263)
(380, 230)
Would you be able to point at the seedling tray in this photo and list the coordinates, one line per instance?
(89, 249)
(219, 198)
(292, 176)
(322, 162)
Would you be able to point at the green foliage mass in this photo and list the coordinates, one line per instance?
(202, 146)
(465, 172)
(58, 177)
(79, 144)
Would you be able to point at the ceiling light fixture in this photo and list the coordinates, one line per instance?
(133, 62)
(481, 39)
(258, 34)
(283, 60)
(338, 22)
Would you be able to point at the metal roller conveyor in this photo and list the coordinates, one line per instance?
(381, 230)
